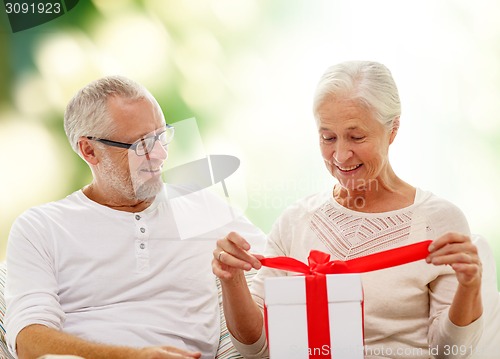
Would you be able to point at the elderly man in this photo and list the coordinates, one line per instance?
(104, 273)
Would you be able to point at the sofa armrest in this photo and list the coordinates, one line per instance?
(4, 352)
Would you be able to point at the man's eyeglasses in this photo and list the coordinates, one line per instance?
(142, 146)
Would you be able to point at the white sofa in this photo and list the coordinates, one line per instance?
(488, 348)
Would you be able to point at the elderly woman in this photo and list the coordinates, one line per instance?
(409, 309)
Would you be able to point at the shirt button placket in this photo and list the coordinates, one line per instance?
(142, 250)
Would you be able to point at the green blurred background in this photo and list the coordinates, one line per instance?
(246, 70)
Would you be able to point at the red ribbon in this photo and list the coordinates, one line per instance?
(318, 327)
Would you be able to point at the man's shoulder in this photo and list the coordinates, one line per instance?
(53, 208)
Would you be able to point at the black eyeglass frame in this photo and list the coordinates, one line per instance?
(133, 146)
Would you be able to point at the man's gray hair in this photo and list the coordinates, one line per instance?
(87, 112)
(370, 83)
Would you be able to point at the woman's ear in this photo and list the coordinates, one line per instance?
(394, 131)
(87, 151)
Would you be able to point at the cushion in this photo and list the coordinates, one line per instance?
(4, 353)
(487, 347)
(226, 349)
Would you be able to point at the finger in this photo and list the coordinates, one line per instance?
(448, 238)
(467, 269)
(217, 270)
(453, 258)
(220, 272)
(241, 249)
(238, 258)
(454, 248)
(238, 240)
(230, 243)
(232, 250)
(248, 261)
(219, 256)
(258, 256)
(468, 274)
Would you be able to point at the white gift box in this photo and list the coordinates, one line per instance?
(285, 299)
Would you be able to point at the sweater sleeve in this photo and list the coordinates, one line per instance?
(445, 338)
(257, 350)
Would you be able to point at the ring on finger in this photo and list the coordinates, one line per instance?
(220, 254)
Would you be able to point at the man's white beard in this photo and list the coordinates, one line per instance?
(131, 187)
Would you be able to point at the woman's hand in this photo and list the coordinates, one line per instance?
(231, 257)
(461, 254)
(243, 316)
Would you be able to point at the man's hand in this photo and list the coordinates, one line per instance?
(37, 340)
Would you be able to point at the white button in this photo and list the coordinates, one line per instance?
(137, 217)
(143, 229)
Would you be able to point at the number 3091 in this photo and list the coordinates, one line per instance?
(27, 8)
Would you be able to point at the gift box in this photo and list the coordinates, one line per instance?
(292, 336)
(320, 314)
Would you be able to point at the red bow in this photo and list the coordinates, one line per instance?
(319, 262)
(316, 291)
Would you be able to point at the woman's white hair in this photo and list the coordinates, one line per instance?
(87, 112)
(370, 83)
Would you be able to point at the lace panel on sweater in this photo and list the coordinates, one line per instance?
(350, 236)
